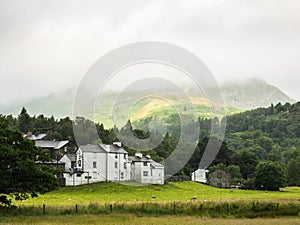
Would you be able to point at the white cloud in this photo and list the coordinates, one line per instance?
(49, 46)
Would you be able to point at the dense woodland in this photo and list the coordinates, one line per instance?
(261, 146)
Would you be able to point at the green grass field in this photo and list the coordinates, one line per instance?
(132, 219)
(114, 203)
(170, 192)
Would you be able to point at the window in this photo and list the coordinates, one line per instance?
(145, 164)
(122, 175)
(116, 156)
(125, 165)
(116, 165)
(94, 164)
(79, 163)
(145, 173)
(94, 175)
(125, 156)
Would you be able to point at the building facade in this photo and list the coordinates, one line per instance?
(199, 175)
(219, 178)
(98, 163)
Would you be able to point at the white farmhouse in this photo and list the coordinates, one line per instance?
(100, 162)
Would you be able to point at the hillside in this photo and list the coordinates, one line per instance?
(253, 94)
(238, 97)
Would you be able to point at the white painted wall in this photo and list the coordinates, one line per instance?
(199, 176)
(67, 161)
(158, 176)
(109, 166)
(76, 179)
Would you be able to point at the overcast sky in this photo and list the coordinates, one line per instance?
(47, 46)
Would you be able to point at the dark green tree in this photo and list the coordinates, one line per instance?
(24, 121)
(293, 169)
(247, 161)
(21, 176)
(270, 176)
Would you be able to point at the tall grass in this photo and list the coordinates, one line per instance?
(213, 209)
(129, 219)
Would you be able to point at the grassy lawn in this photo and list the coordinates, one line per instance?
(132, 219)
(177, 191)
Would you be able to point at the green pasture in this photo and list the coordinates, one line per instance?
(170, 192)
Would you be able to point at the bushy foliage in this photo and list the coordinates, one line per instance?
(270, 176)
(21, 175)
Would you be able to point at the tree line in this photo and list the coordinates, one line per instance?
(260, 145)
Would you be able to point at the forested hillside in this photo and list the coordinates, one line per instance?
(264, 139)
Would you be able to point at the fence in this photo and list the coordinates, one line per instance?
(209, 209)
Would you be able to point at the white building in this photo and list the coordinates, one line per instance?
(145, 170)
(96, 163)
(199, 175)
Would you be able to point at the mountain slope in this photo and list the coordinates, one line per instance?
(238, 97)
(253, 94)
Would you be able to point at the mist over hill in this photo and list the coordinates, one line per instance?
(238, 96)
(252, 94)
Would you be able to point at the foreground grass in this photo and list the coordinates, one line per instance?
(172, 199)
(132, 219)
(177, 191)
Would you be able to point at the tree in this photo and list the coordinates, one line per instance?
(246, 160)
(235, 173)
(24, 121)
(270, 176)
(293, 172)
(21, 176)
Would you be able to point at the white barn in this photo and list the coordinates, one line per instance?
(100, 162)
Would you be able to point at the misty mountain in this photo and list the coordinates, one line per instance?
(252, 94)
(249, 94)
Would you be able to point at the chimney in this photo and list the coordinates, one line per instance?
(117, 143)
(139, 154)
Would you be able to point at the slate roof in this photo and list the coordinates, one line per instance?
(92, 148)
(71, 157)
(138, 159)
(144, 159)
(53, 161)
(35, 138)
(51, 144)
(102, 148)
(113, 149)
(155, 164)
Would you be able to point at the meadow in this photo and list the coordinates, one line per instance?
(103, 193)
(175, 199)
